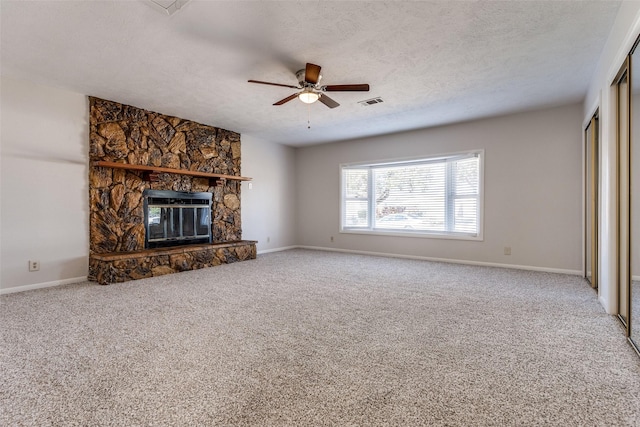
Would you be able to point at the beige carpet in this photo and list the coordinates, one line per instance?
(317, 338)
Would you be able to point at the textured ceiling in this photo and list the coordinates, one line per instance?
(432, 62)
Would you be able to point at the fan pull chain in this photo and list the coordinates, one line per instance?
(309, 116)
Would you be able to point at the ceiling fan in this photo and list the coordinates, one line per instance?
(312, 91)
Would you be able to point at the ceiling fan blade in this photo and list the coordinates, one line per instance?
(347, 88)
(328, 101)
(287, 99)
(273, 84)
(312, 73)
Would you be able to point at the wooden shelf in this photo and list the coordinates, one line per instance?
(154, 170)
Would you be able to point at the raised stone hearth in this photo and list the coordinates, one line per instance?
(123, 266)
(135, 137)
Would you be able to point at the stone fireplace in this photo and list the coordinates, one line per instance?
(187, 172)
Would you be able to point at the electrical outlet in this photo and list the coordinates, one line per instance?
(34, 265)
(332, 238)
(507, 250)
(268, 239)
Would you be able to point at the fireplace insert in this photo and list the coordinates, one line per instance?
(174, 218)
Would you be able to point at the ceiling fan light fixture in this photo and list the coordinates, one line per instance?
(308, 97)
(308, 80)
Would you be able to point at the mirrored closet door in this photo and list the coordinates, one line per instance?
(591, 202)
(623, 98)
(633, 285)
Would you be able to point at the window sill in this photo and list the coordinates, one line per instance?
(418, 234)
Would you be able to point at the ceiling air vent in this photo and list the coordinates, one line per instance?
(371, 101)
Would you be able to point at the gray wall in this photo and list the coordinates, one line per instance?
(268, 207)
(44, 184)
(532, 197)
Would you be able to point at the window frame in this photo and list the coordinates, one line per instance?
(479, 235)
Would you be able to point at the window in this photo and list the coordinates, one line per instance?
(437, 196)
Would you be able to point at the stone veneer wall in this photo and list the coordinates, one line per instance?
(126, 134)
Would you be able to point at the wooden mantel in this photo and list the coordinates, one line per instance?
(154, 170)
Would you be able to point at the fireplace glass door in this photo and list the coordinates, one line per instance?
(177, 218)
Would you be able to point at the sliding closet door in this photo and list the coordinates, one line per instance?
(591, 201)
(634, 201)
(623, 133)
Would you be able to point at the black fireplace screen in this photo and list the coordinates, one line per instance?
(176, 218)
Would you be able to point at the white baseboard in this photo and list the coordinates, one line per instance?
(284, 248)
(42, 285)
(452, 261)
(319, 248)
